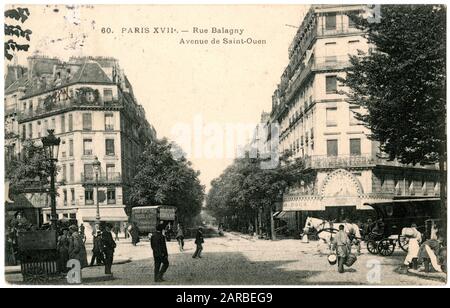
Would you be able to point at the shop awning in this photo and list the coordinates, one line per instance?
(106, 218)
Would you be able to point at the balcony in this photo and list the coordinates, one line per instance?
(103, 179)
(63, 105)
(358, 161)
(340, 29)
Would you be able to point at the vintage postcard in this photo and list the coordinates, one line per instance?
(224, 145)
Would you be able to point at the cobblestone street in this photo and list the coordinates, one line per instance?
(241, 260)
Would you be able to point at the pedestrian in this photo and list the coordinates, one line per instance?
(160, 255)
(414, 240)
(134, 232)
(116, 231)
(125, 230)
(168, 232)
(97, 250)
(63, 250)
(77, 250)
(341, 244)
(82, 234)
(199, 242)
(108, 245)
(180, 237)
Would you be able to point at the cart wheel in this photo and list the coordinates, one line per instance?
(35, 275)
(386, 247)
(403, 242)
(372, 247)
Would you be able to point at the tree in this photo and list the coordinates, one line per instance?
(162, 179)
(402, 83)
(245, 190)
(19, 14)
(30, 169)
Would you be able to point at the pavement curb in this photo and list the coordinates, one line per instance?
(10, 270)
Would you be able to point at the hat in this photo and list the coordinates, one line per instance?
(73, 228)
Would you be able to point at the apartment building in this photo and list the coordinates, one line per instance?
(317, 123)
(90, 105)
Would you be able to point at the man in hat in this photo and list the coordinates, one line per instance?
(97, 250)
(109, 245)
(199, 242)
(160, 255)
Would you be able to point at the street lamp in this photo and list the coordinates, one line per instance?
(96, 165)
(51, 148)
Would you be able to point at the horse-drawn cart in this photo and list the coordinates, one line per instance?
(38, 255)
(392, 218)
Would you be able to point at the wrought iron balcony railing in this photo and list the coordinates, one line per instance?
(43, 110)
(110, 178)
(363, 160)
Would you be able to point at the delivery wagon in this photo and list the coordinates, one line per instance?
(147, 218)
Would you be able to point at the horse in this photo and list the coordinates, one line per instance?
(325, 229)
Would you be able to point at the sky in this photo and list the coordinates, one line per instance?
(195, 94)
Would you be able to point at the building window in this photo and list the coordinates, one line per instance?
(107, 95)
(63, 124)
(39, 129)
(87, 121)
(109, 121)
(54, 124)
(45, 127)
(332, 116)
(72, 195)
(87, 147)
(109, 143)
(64, 172)
(71, 173)
(355, 147)
(30, 130)
(351, 22)
(353, 111)
(63, 149)
(331, 84)
(73, 216)
(24, 132)
(70, 147)
(110, 170)
(330, 22)
(88, 172)
(70, 123)
(111, 196)
(65, 196)
(89, 196)
(332, 147)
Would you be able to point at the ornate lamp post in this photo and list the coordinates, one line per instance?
(97, 166)
(51, 149)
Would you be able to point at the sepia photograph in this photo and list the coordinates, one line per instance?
(207, 144)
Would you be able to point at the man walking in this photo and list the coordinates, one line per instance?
(341, 246)
(97, 250)
(199, 242)
(160, 255)
(109, 245)
(116, 231)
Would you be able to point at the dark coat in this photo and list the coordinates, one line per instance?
(108, 242)
(158, 243)
(199, 238)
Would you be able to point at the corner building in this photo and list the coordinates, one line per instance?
(318, 124)
(90, 105)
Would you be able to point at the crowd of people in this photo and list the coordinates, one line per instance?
(71, 245)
